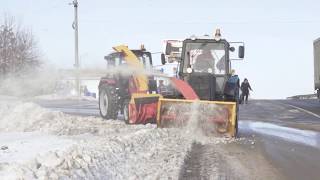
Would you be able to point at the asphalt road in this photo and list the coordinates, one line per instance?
(287, 133)
(279, 139)
(75, 107)
(308, 104)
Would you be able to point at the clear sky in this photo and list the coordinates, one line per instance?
(278, 33)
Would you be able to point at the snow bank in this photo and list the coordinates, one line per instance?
(145, 154)
(26, 117)
(30, 144)
(38, 143)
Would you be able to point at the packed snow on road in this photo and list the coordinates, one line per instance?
(39, 143)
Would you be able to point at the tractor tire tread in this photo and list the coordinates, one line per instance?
(112, 111)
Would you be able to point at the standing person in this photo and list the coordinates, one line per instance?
(245, 87)
(232, 87)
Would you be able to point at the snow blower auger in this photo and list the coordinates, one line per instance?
(208, 90)
(211, 117)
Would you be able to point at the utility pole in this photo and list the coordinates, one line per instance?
(76, 44)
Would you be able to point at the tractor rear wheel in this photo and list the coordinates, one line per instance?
(126, 111)
(108, 103)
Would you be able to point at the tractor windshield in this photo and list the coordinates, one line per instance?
(205, 57)
(116, 60)
(145, 60)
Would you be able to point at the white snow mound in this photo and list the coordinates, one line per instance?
(37, 143)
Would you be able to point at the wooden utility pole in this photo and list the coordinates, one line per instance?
(76, 45)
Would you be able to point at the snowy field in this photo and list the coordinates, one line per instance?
(37, 143)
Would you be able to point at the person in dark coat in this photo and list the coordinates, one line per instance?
(245, 87)
(204, 61)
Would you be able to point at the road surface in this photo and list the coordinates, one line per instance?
(75, 107)
(278, 139)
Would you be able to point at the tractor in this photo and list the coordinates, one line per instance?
(205, 65)
(116, 88)
(205, 90)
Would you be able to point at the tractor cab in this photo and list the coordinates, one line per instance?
(117, 58)
(206, 65)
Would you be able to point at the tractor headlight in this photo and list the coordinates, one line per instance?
(209, 70)
(189, 70)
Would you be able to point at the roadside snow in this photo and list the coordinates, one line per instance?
(42, 144)
(22, 147)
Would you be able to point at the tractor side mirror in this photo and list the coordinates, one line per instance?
(163, 59)
(241, 52)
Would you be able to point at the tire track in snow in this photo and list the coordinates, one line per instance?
(204, 162)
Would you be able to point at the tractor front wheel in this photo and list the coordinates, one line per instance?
(236, 135)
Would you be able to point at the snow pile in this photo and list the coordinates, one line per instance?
(18, 116)
(38, 143)
(27, 117)
(145, 154)
(23, 151)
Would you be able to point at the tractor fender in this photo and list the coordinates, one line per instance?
(111, 82)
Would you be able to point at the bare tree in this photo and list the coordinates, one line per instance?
(18, 49)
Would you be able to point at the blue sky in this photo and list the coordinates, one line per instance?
(278, 34)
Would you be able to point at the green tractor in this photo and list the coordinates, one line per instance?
(205, 64)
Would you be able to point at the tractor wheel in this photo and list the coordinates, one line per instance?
(236, 128)
(126, 111)
(108, 103)
(237, 118)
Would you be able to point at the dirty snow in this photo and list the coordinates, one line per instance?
(39, 143)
